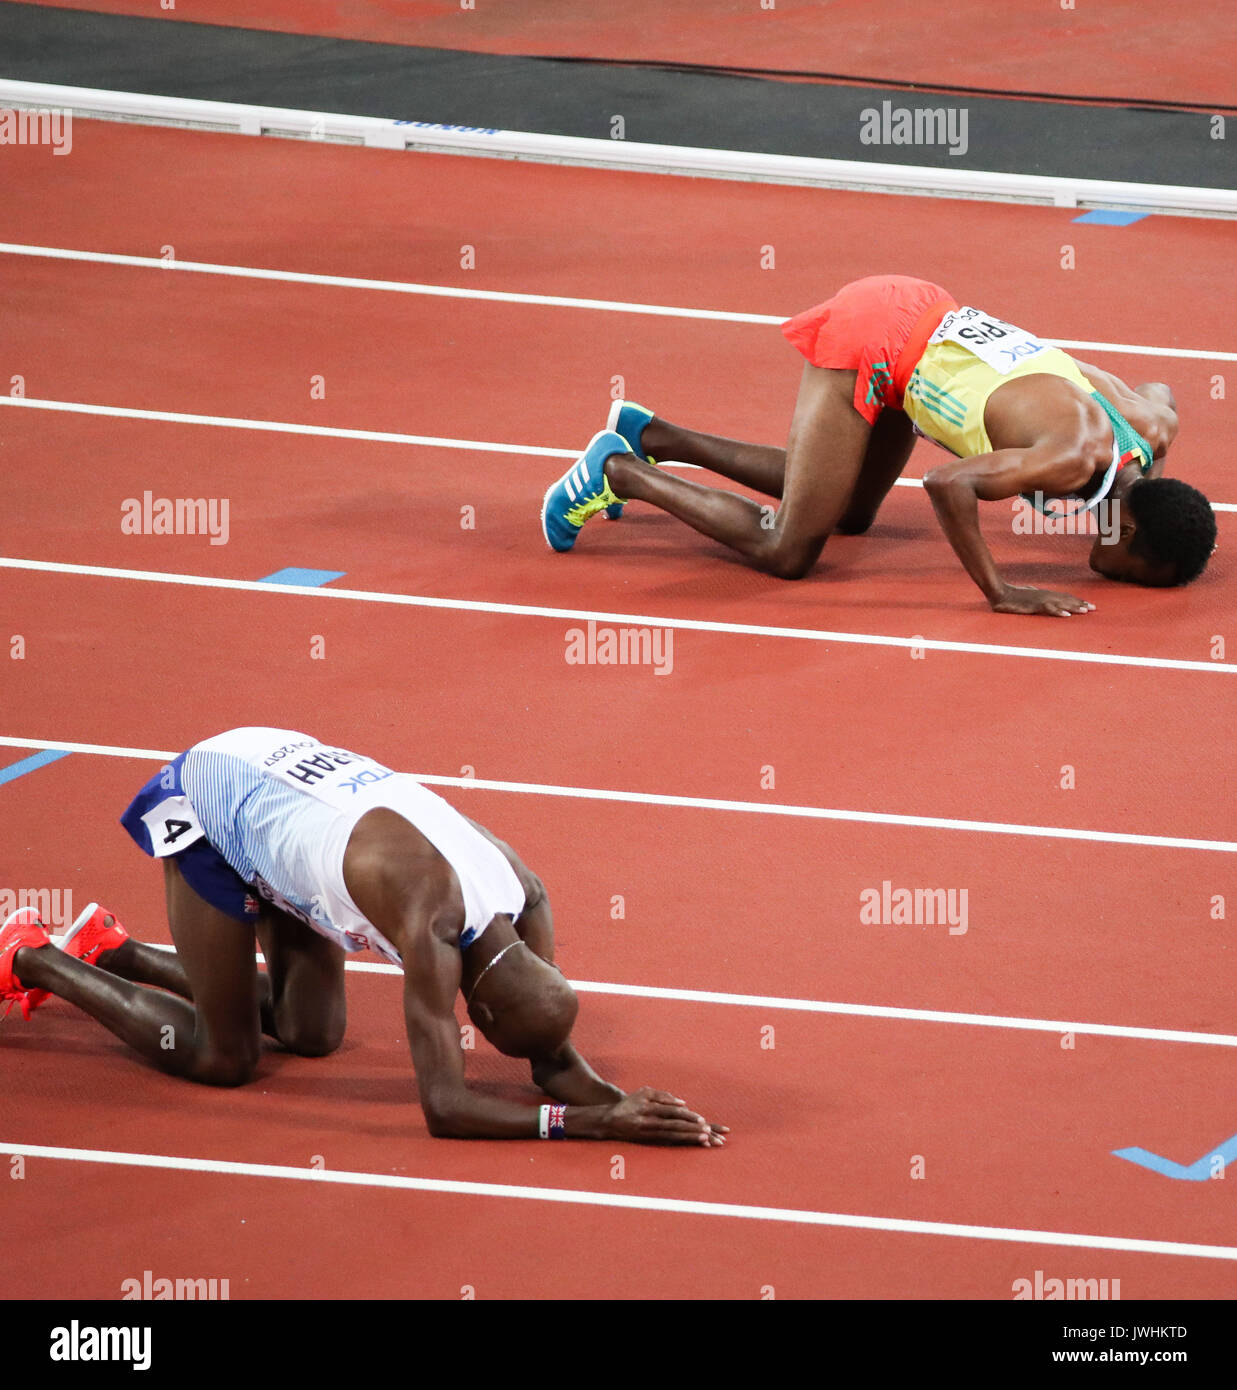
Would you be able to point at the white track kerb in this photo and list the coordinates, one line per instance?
(620, 154)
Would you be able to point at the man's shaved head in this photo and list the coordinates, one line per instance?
(523, 1005)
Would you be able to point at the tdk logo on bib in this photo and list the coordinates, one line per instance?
(364, 779)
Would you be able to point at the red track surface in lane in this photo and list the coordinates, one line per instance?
(252, 1232)
(390, 515)
(1015, 1129)
(550, 229)
(782, 916)
(252, 351)
(830, 1118)
(1123, 49)
(994, 754)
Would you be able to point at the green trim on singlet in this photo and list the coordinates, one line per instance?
(1129, 441)
(937, 400)
(1129, 445)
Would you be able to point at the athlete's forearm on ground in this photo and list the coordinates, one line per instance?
(467, 1115)
(758, 466)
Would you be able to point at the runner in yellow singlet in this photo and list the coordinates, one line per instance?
(888, 357)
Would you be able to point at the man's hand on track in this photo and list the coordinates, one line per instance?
(647, 1116)
(1024, 598)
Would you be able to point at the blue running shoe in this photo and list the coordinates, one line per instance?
(581, 492)
(628, 419)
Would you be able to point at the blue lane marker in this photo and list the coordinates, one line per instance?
(1105, 217)
(312, 579)
(1196, 1172)
(31, 764)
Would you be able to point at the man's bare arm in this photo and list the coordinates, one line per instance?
(566, 1076)
(452, 1111)
(956, 489)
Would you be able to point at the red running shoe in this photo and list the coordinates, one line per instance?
(95, 930)
(20, 928)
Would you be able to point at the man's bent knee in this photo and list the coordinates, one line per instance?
(225, 1069)
(790, 564)
(311, 1040)
(856, 524)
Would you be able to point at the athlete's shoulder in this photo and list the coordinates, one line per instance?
(253, 742)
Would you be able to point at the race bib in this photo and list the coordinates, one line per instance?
(1001, 345)
(173, 825)
(332, 775)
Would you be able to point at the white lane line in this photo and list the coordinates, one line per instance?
(628, 1202)
(950, 1016)
(102, 750)
(705, 803)
(578, 615)
(428, 441)
(232, 422)
(614, 306)
(352, 282)
(848, 1010)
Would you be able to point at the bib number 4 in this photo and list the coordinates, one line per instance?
(173, 825)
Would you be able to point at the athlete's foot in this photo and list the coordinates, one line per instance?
(619, 471)
(632, 422)
(94, 937)
(20, 934)
(582, 492)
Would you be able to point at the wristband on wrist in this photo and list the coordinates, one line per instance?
(553, 1122)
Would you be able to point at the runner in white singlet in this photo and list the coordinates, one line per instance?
(318, 852)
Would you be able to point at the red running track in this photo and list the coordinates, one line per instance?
(1014, 1129)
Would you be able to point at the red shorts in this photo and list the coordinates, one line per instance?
(878, 327)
